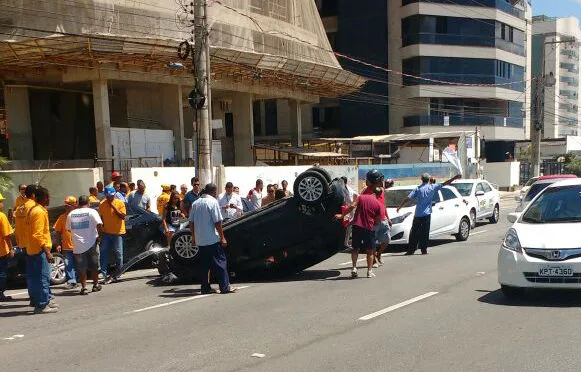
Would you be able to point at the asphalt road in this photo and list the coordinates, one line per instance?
(440, 312)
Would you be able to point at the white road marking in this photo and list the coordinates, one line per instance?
(16, 294)
(478, 232)
(398, 306)
(13, 337)
(480, 273)
(349, 262)
(174, 302)
(258, 355)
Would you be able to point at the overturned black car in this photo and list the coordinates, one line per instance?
(282, 238)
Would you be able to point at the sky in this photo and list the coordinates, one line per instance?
(557, 8)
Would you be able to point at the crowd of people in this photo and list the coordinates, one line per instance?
(93, 225)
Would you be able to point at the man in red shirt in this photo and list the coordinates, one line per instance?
(369, 211)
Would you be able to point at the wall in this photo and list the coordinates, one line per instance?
(504, 174)
(408, 174)
(156, 176)
(59, 182)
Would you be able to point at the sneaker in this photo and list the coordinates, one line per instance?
(52, 304)
(375, 265)
(45, 310)
(71, 285)
(370, 274)
(108, 280)
(211, 291)
(4, 298)
(84, 291)
(97, 288)
(101, 276)
(230, 290)
(354, 273)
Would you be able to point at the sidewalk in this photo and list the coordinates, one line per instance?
(508, 194)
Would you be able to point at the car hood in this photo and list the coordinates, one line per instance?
(553, 235)
(392, 212)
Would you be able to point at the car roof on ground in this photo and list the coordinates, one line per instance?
(410, 187)
(467, 180)
(553, 180)
(554, 176)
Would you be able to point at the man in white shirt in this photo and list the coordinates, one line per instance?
(230, 203)
(84, 223)
(207, 233)
(255, 195)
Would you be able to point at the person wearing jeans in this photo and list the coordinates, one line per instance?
(113, 212)
(65, 240)
(6, 250)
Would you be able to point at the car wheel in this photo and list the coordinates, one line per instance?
(511, 292)
(321, 171)
(183, 250)
(472, 218)
(495, 215)
(463, 229)
(57, 272)
(311, 187)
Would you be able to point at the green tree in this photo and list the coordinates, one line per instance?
(5, 181)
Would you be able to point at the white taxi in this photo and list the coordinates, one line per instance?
(483, 199)
(542, 249)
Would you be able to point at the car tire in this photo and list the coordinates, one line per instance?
(511, 292)
(495, 215)
(322, 172)
(57, 270)
(311, 187)
(182, 250)
(472, 218)
(463, 229)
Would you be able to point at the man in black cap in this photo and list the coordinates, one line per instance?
(423, 195)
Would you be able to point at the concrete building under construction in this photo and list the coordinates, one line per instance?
(87, 81)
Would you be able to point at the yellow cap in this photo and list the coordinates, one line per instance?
(70, 200)
(165, 187)
(1, 197)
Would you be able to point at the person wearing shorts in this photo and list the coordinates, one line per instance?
(84, 223)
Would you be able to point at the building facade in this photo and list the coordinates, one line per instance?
(463, 64)
(358, 29)
(103, 81)
(556, 47)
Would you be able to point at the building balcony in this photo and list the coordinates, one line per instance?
(501, 5)
(476, 79)
(463, 40)
(463, 120)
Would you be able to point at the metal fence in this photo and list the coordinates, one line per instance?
(548, 167)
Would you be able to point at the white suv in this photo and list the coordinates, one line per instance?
(483, 199)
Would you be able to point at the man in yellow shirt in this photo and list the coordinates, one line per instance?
(113, 212)
(38, 254)
(6, 251)
(163, 199)
(183, 191)
(20, 199)
(93, 195)
(20, 215)
(65, 238)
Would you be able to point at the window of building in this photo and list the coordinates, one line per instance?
(271, 118)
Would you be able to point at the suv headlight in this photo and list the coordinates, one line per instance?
(401, 218)
(511, 241)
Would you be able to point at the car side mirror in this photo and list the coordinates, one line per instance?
(479, 193)
(512, 217)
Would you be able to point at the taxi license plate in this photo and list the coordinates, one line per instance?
(555, 271)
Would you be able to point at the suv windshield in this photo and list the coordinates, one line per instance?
(531, 181)
(465, 189)
(393, 198)
(562, 204)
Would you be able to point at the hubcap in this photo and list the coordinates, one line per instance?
(310, 189)
(184, 247)
(495, 213)
(464, 229)
(58, 269)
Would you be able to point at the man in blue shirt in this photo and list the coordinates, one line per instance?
(423, 195)
(207, 233)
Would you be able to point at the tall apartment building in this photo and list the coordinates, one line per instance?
(556, 53)
(358, 29)
(461, 65)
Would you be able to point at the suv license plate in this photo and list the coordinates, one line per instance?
(555, 271)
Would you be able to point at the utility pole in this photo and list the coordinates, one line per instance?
(202, 65)
(542, 81)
